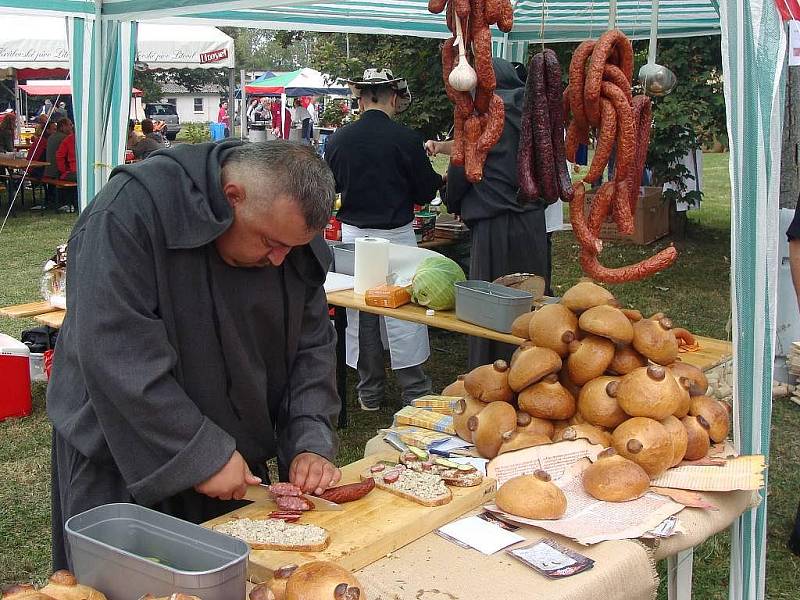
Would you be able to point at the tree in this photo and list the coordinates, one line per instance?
(416, 59)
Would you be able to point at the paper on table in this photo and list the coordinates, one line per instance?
(452, 443)
(590, 521)
(742, 473)
(483, 536)
(553, 458)
(335, 282)
(404, 260)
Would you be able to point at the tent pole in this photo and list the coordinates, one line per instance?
(612, 14)
(243, 128)
(283, 113)
(232, 100)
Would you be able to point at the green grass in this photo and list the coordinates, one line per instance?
(695, 292)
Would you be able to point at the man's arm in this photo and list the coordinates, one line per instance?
(307, 424)
(160, 441)
(426, 180)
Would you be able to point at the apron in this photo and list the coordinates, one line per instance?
(407, 342)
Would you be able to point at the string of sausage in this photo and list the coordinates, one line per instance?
(477, 120)
(599, 96)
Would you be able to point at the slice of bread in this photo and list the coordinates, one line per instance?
(276, 534)
(427, 489)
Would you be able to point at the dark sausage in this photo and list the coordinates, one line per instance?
(555, 99)
(292, 503)
(285, 489)
(348, 493)
(542, 133)
(528, 188)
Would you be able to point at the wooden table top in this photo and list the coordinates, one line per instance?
(712, 352)
(20, 163)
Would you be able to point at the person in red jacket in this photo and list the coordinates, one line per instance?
(65, 159)
(275, 109)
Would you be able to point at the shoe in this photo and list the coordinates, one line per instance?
(366, 407)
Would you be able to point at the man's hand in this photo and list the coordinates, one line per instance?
(431, 148)
(313, 473)
(230, 482)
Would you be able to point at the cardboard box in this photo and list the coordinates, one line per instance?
(651, 221)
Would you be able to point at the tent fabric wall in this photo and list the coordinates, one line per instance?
(753, 54)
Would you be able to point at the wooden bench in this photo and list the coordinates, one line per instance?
(61, 185)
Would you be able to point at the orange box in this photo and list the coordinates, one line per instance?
(387, 296)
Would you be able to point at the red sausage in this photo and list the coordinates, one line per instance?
(292, 503)
(285, 489)
(349, 492)
(649, 266)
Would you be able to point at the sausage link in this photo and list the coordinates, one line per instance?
(606, 136)
(642, 117)
(542, 133)
(436, 6)
(284, 489)
(649, 266)
(575, 136)
(526, 176)
(495, 122)
(462, 8)
(625, 129)
(292, 503)
(577, 216)
(621, 208)
(577, 75)
(482, 49)
(473, 158)
(457, 152)
(493, 11)
(615, 75)
(594, 74)
(555, 99)
(349, 492)
(506, 22)
(601, 206)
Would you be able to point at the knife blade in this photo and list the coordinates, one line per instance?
(318, 503)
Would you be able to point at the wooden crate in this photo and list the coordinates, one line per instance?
(651, 221)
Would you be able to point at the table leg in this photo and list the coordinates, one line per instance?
(340, 323)
(679, 575)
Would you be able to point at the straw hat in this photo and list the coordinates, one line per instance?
(381, 77)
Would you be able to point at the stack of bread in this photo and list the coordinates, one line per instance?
(589, 369)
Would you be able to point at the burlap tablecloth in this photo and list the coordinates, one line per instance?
(432, 568)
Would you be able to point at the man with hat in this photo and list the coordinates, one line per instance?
(382, 170)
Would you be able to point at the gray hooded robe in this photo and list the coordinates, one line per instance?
(169, 359)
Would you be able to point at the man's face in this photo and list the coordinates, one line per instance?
(262, 232)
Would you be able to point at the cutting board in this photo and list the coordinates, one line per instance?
(365, 530)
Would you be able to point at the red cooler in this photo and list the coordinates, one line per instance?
(15, 378)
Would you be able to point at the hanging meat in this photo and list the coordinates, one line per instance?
(469, 80)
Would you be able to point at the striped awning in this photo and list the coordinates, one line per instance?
(534, 20)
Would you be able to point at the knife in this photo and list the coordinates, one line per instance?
(318, 503)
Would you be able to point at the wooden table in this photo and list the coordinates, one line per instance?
(18, 164)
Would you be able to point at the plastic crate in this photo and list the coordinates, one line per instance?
(490, 305)
(126, 550)
(344, 258)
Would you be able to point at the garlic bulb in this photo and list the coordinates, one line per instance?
(463, 77)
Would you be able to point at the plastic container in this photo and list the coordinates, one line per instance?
(37, 367)
(126, 550)
(344, 258)
(217, 131)
(490, 305)
(15, 375)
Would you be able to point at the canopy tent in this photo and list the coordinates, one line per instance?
(753, 50)
(57, 88)
(302, 82)
(41, 42)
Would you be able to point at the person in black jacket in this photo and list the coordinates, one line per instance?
(507, 235)
(196, 344)
(793, 235)
(382, 171)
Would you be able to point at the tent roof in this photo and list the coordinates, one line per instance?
(57, 88)
(564, 20)
(41, 42)
(302, 82)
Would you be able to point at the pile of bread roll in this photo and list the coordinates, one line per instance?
(589, 369)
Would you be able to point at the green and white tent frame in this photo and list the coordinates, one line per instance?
(102, 36)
